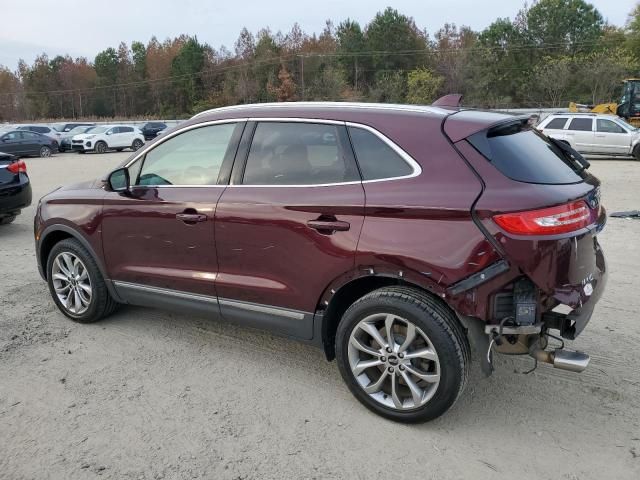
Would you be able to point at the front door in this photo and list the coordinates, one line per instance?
(13, 143)
(611, 138)
(158, 240)
(288, 224)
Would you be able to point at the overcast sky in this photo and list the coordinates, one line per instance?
(83, 28)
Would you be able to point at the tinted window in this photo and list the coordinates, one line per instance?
(297, 154)
(557, 123)
(12, 136)
(125, 129)
(40, 129)
(525, 155)
(608, 126)
(376, 159)
(30, 135)
(581, 124)
(191, 158)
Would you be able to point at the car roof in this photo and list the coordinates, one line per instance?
(460, 122)
(583, 114)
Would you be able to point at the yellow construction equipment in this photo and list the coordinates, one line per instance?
(628, 108)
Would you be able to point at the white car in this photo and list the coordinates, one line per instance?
(593, 133)
(108, 137)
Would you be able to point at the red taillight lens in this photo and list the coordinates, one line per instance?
(548, 221)
(17, 167)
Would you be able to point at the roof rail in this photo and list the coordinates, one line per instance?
(362, 105)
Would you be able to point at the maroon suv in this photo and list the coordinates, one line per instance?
(391, 236)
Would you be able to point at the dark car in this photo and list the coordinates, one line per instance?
(151, 129)
(15, 188)
(390, 236)
(23, 143)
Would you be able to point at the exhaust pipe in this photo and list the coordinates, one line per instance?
(560, 358)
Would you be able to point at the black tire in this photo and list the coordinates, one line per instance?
(101, 304)
(137, 143)
(636, 152)
(7, 220)
(101, 147)
(45, 151)
(444, 332)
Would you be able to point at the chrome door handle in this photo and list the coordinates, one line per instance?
(191, 217)
(329, 225)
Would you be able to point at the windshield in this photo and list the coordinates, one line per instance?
(98, 129)
(626, 124)
(77, 130)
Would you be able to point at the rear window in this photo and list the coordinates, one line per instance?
(525, 155)
(557, 123)
(581, 124)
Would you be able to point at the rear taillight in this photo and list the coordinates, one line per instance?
(17, 167)
(548, 221)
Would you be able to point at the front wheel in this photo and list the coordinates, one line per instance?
(636, 152)
(76, 284)
(101, 147)
(137, 143)
(45, 151)
(403, 354)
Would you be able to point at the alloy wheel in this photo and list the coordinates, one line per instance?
(394, 361)
(136, 145)
(71, 283)
(45, 152)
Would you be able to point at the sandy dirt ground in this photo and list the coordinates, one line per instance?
(148, 394)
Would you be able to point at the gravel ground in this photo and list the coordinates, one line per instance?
(148, 394)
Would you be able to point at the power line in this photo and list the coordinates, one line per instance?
(283, 58)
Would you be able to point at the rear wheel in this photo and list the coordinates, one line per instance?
(101, 147)
(76, 284)
(137, 143)
(402, 354)
(45, 151)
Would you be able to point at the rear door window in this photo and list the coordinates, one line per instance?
(525, 155)
(556, 124)
(300, 153)
(581, 124)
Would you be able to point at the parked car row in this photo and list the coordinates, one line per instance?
(594, 134)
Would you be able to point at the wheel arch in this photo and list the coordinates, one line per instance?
(56, 233)
(343, 292)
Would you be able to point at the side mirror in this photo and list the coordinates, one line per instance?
(109, 132)
(119, 181)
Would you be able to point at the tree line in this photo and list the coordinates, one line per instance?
(552, 52)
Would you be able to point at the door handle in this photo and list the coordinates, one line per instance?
(329, 225)
(188, 217)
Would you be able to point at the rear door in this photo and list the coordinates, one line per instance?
(611, 138)
(581, 135)
(288, 224)
(31, 142)
(127, 135)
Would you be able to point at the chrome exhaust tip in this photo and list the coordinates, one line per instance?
(570, 360)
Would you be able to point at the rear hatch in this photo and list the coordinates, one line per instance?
(540, 206)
